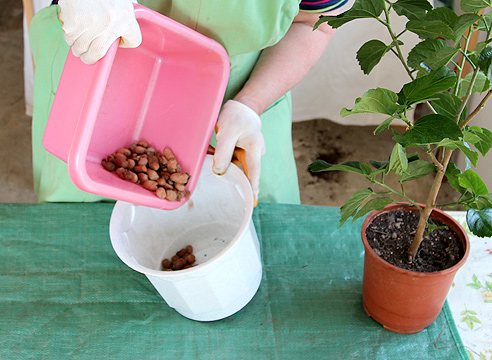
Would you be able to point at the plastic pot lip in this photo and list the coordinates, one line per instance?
(449, 219)
(198, 270)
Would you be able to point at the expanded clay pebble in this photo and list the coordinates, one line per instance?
(158, 172)
(183, 259)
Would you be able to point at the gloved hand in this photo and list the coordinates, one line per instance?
(92, 26)
(238, 128)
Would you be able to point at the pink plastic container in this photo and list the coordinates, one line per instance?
(168, 91)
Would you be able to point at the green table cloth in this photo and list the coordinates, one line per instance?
(66, 295)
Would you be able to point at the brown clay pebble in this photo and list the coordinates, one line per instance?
(140, 169)
(143, 161)
(120, 160)
(181, 252)
(190, 259)
(171, 195)
(172, 165)
(179, 187)
(108, 165)
(150, 185)
(143, 177)
(153, 175)
(168, 153)
(121, 172)
(178, 264)
(124, 151)
(161, 193)
(131, 176)
(166, 264)
(179, 178)
(189, 249)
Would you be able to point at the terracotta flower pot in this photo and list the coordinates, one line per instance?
(405, 301)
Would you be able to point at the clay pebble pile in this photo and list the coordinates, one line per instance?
(142, 164)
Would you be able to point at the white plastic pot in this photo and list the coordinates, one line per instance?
(217, 222)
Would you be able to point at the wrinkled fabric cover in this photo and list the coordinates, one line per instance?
(66, 295)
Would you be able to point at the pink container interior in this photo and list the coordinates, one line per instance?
(168, 91)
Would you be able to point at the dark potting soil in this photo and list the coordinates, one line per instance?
(391, 233)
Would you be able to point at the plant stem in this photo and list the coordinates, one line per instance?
(467, 97)
(462, 63)
(477, 109)
(429, 206)
(394, 38)
(394, 192)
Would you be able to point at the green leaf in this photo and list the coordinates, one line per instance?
(485, 60)
(360, 9)
(462, 24)
(481, 84)
(489, 285)
(423, 50)
(444, 14)
(373, 204)
(418, 169)
(448, 105)
(412, 9)
(430, 29)
(350, 208)
(427, 86)
(471, 155)
(482, 138)
(398, 160)
(370, 54)
(351, 166)
(452, 174)
(429, 129)
(383, 126)
(480, 222)
(468, 322)
(474, 5)
(471, 180)
(474, 286)
(485, 21)
(379, 164)
(413, 157)
(377, 101)
(475, 319)
(431, 227)
(482, 202)
(439, 58)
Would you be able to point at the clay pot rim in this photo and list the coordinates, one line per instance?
(392, 207)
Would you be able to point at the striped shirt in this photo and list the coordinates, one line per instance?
(306, 5)
(319, 6)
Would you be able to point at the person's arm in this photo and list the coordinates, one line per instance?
(281, 66)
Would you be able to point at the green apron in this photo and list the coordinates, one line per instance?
(244, 28)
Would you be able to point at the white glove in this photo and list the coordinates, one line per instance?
(92, 26)
(239, 126)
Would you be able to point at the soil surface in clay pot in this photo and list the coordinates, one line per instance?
(391, 233)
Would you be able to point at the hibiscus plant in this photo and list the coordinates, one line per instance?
(437, 80)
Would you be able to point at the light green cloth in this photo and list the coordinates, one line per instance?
(66, 295)
(244, 28)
